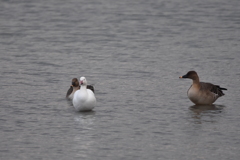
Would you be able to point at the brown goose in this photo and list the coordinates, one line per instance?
(201, 92)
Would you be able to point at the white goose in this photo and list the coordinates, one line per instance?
(84, 99)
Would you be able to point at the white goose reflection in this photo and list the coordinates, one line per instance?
(85, 119)
(84, 137)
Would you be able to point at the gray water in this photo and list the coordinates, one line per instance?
(133, 53)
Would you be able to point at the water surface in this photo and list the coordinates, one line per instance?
(133, 53)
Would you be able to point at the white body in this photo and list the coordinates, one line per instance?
(84, 99)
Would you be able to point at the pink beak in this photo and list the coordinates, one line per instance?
(81, 82)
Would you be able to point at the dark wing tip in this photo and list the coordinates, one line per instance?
(218, 90)
(223, 88)
(90, 87)
(69, 91)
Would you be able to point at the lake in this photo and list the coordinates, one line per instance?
(133, 52)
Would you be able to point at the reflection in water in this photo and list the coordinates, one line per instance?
(200, 112)
(198, 109)
(85, 119)
(69, 102)
(83, 139)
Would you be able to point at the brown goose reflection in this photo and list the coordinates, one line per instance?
(198, 109)
(205, 113)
